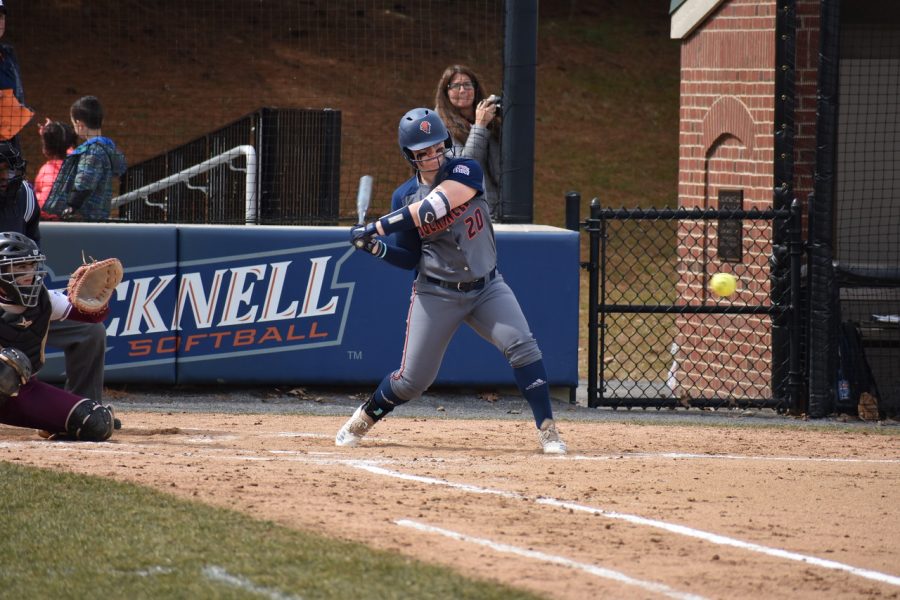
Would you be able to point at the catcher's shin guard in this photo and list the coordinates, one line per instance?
(90, 421)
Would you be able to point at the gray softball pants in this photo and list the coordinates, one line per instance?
(435, 313)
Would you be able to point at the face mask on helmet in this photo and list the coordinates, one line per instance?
(430, 159)
(22, 270)
(21, 280)
(421, 129)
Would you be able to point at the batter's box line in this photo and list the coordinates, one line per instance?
(595, 570)
(637, 520)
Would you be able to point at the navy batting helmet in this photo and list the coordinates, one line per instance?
(421, 128)
(19, 258)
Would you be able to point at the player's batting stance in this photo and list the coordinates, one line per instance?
(441, 227)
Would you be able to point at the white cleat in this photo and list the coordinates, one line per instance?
(354, 429)
(551, 443)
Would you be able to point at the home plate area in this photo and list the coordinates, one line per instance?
(634, 509)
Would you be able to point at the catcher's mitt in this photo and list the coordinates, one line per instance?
(92, 284)
(15, 370)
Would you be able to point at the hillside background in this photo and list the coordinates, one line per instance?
(168, 72)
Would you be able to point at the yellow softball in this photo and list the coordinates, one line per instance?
(723, 284)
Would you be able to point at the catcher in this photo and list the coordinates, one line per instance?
(26, 309)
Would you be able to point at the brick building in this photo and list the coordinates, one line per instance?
(727, 146)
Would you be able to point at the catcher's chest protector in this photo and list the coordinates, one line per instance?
(27, 331)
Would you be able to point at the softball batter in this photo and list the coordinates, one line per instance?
(441, 227)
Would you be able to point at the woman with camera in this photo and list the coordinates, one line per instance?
(473, 120)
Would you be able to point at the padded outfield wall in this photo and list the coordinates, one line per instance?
(296, 305)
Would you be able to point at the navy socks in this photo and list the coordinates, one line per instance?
(383, 400)
(532, 382)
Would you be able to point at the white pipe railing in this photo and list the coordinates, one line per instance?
(250, 204)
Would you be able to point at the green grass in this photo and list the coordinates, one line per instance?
(72, 536)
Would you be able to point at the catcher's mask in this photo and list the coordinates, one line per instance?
(419, 129)
(21, 269)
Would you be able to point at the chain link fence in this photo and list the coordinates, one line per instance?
(661, 338)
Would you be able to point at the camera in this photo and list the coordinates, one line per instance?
(496, 100)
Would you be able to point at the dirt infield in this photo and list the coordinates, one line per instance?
(635, 510)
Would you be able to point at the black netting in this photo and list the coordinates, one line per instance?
(665, 339)
(169, 73)
(867, 187)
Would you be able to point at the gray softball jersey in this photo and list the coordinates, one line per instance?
(459, 246)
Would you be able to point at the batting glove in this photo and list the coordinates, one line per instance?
(376, 247)
(361, 234)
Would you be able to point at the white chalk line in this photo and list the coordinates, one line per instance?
(671, 527)
(725, 541)
(473, 489)
(576, 457)
(603, 572)
(220, 575)
(731, 457)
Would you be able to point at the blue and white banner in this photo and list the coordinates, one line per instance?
(296, 305)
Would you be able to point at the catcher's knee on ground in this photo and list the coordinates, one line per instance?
(90, 421)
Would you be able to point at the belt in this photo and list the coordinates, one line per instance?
(464, 286)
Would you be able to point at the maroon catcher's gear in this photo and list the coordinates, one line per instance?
(26, 309)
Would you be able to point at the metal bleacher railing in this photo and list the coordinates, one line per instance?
(250, 194)
(294, 178)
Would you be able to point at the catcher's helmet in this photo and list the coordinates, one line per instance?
(421, 128)
(21, 269)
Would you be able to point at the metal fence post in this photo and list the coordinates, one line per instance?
(593, 283)
(573, 211)
(795, 374)
(573, 223)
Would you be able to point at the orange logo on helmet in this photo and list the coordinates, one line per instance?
(425, 126)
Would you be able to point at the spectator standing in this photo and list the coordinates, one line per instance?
(11, 115)
(10, 79)
(83, 188)
(57, 140)
(474, 122)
